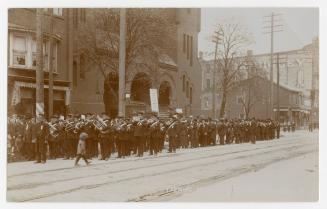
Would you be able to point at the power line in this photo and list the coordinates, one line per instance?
(274, 26)
(216, 38)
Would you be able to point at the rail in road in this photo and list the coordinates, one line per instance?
(219, 164)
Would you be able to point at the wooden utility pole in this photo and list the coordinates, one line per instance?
(216, 39)
(39, 65)
(122, 55)
(272, 28)
(215, 68)
(50, 91)
(277, 97)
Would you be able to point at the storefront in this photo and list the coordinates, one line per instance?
(21, 98)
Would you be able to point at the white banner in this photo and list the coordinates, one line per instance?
(179, 110)
(39, 108)
(154, 100)
(16, 95)
(67, 97)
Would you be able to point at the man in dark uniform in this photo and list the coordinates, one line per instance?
(252, 130)
(121, 138)
(212, 132)
(172, 133)
(53, 137)
(69, 138)
(154, 136)
(221, 129)
(277, 129)
(201, 133)
(29, 134)
(42, 132)
(182, 128)
(105, 135)
(139, 135)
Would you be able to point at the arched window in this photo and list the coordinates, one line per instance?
(183, 83)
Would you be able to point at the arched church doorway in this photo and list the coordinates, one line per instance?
(140, 88)
(164, 94)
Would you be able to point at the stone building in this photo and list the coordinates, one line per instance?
(78, 86)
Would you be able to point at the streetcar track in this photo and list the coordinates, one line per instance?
(86, 187)
(32, 185)
(109, 163)
(203, 182)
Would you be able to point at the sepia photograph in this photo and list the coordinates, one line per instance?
(156, 104)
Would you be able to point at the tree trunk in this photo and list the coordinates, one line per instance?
(223, 104)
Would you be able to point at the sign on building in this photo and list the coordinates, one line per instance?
(179, 110)
(154, 100)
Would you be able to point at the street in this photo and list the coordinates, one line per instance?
(286, 169)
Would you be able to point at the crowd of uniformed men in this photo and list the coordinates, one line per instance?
(39, 139)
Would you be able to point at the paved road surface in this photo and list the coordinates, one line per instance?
(161, 178)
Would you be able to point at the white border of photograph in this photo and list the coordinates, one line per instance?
(163, 3)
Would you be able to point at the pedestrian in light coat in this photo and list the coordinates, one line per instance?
(81, 148)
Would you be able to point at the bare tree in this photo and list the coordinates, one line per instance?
(234, 39)
(150, 33)
(148, 36)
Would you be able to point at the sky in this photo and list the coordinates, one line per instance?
(300, 26)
